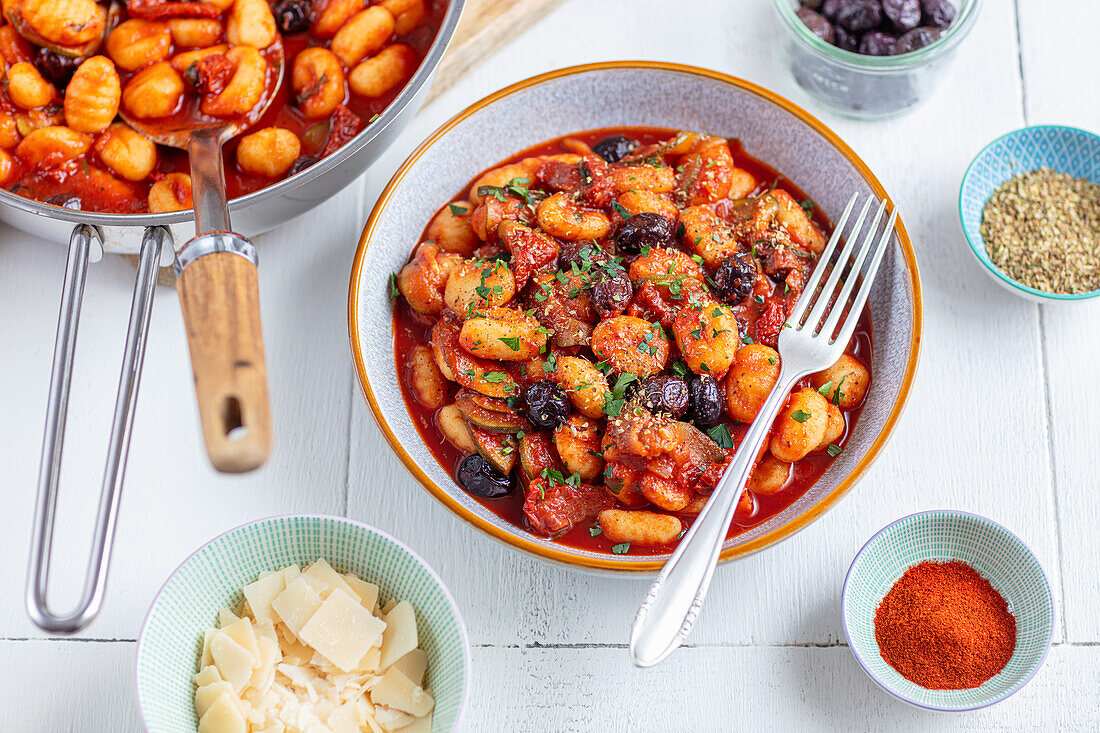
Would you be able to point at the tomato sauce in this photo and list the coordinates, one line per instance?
(411, 328)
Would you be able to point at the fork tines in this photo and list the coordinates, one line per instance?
(856, 261)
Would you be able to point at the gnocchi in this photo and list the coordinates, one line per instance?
(268, 152)
(93, 95)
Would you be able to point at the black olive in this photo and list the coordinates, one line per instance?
(55, 68)
(830, 8)
(301, 164)
(811, 4)
(65, 201)
(877, 43)
(292, 16)
(915, 39)
(734, 278)
(903, 14)
(614, 148)
(479, 478)
(817, 23)
(665, 394)
(706, 401)
(583, 254)
(937, 13)
(859, 15)
(844, 39)
(547, 404)
(643, 230)
(612, 295)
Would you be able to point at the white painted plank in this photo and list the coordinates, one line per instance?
(755, 688)
(173, 501)
(68, 687)
(946, 452)
(1060, 56)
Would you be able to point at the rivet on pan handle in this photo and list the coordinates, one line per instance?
(95, 579)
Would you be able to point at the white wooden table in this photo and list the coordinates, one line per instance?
(1002, 421)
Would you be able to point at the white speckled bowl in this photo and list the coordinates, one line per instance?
(617, 94)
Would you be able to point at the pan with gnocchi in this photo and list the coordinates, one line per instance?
(75, 70)
(585, 332)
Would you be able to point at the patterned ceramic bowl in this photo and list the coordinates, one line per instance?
(626, 93)
(1065, 149)
(1001, 558)
(211, 578)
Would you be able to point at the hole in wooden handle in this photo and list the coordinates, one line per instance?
(232, 422)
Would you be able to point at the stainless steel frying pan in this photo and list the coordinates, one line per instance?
(156, 239)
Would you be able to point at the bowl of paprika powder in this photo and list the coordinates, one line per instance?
(948, 611)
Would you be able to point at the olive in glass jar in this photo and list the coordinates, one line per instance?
(479, 478)
(706, 401)
(547, 405)
(937, 13)
(878, 43)
(643, 230)
(903, 14)
(614, 148)
(859, 15)
(915, 39)
(665, 394)
(817, 23)
(292, 16)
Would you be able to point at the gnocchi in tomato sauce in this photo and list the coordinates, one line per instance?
(74, 69)
(585, 332)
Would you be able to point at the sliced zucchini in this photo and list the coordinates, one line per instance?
(536, 454)
(499, 449)
(486, 419)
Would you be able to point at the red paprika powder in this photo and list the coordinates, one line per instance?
(944, 627)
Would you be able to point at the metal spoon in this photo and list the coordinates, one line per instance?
(217, 283)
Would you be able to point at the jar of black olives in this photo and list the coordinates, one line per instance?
(871, 59)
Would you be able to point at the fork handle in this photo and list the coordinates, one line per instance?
(674, 600)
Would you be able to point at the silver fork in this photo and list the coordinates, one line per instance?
(806, 346)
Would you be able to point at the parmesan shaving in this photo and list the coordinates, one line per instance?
(311, 650)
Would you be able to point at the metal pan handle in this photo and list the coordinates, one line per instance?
(95, 579)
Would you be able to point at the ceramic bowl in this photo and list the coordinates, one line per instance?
(1001, 558)
(212, 578)
(1065, 149)
(628, 93)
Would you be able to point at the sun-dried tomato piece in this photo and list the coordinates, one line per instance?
(344, 126)
(552, 506)
(209, 74)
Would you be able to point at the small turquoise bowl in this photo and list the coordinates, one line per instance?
(1001, 558)
(1064, 149)
(212, 578)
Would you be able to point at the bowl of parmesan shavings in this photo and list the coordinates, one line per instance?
(303, 624)
(1030, 209)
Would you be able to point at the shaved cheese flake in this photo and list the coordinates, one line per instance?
(234, 662)
(296, 604)
(413, 665)
(342, 630)
(223, 716)
(396, 691)
(262, 592)
(304, 652)
(400, 637)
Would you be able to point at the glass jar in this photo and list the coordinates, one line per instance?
(868, 87)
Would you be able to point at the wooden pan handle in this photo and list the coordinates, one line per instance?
(220, 298)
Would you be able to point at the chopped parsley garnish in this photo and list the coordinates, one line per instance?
(621, 211)
(616, 398)
(837, 394)
(800, 416)
(680, 370)
(721, 436)
(495, 377)
(834, 450)
(512, 342)
(595, 530)
(457, 209)
(621, 549)
(394, 292)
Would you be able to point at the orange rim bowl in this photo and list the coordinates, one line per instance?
(517, 537)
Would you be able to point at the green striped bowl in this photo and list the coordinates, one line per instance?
(1002, 559)
(212, 578)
